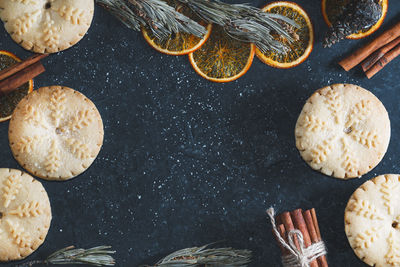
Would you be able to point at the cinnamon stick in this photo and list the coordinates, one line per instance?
(382, 62)
(316, 225)
(11, 83)
(306, 222)
(374, 57)
(322, 262)
(362, 53)
(286, 220)
(282, 232)
(300, 224)
(315, 221)
(21, 65)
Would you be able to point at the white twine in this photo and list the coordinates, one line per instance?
(297, 257)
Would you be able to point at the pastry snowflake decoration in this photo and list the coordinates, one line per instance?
(343, 131)
(372, 221)
(46, 26)
(56, 133)
(25, 214)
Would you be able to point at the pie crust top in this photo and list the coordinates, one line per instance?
(25, 214)
(343, 131)
(372, 221)
(46, 26)
(55, 133)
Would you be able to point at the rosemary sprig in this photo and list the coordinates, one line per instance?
(240, 21)
(202, 256)
(97, 256)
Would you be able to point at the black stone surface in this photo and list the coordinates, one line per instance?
(187, 162)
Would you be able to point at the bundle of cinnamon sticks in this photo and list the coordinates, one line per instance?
(377, 54)
(16, 75)
(307, 223)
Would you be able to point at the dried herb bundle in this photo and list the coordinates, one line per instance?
(202, 256)
(357, 15)
(243, 22)
(97, 256)
(157, 15)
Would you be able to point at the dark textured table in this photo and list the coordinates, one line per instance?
(187, 162)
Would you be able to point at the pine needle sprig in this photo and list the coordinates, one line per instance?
(203, 256)
(245, 23)
(97, 256)
(241, 21)
(157, 15)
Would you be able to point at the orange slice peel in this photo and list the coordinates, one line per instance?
(178, 44)
(299, 50)
(222, 59)
(327, 14)
(10, 101)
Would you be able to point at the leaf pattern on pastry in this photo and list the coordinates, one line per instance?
(350, 162)
(321, 151)
(79, 149)
(51, 37)
(332, 99)
(28, 209)
(11, 188)
(34, 116)
(23, 23)
(53, 159)
(81, 120)
(27, 144)
(387, 189)
(367, 238)
(365, 209)
(312, 123)
(71, 14)
(18, 233)
(359, 113)
(365, 138)
(57, 101)
(393, 255)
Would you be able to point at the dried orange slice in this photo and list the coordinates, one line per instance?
(178, 43)
(222, 58)
(301, 48)
(10, 101)
(330, 11)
